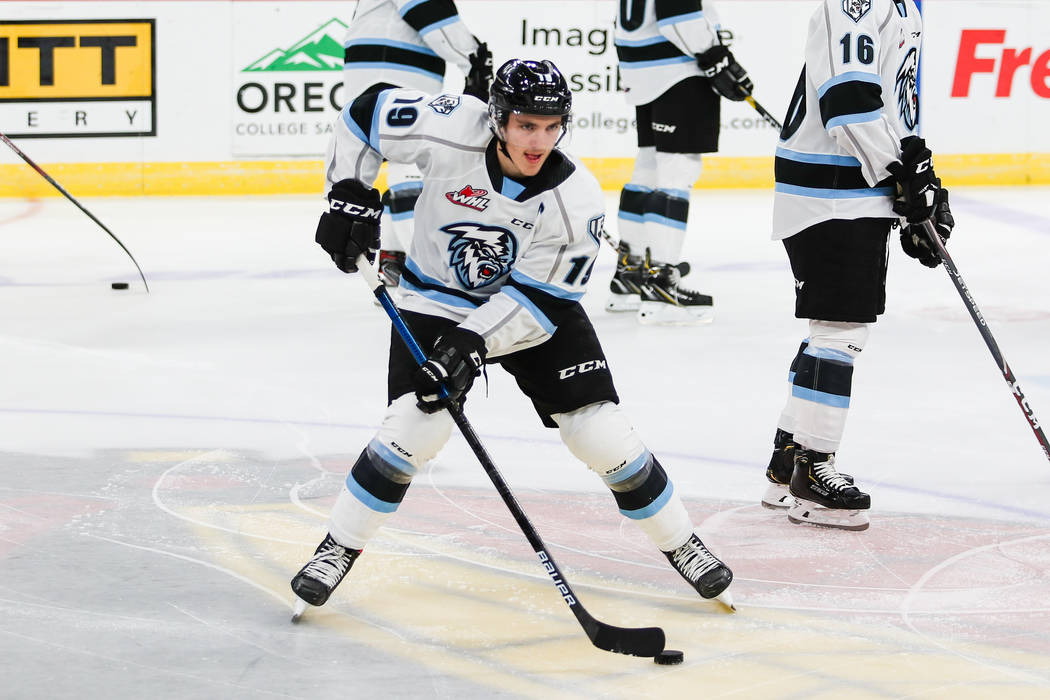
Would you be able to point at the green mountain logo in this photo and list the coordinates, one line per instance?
(321, 49)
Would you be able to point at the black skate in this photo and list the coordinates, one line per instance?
(778, 473)
(624, 287)
(665, 301)
(704, 571)
(391, 265)
(315, 582)
(825, 497)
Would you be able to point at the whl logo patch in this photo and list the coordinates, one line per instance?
(469, 197)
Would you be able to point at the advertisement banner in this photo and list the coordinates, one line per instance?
(77, 77)
(986, 76)
(252, 87)
(287, 78)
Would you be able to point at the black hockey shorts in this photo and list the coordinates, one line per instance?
(840, 269)
(567, 372)
(685, 119)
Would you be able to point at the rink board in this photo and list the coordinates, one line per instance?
(251, 110)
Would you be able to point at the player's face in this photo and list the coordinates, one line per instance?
(530, 139)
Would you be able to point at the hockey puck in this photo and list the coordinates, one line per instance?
(669, 657)
(119, 285)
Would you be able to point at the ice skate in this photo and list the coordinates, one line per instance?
(823, 496)
(704, 571)
(391, 265)
(665, 302)
(778, 473)
(315, 582)
(624, 287)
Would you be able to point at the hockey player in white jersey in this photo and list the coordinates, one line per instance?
(407, 43)
(507, 231)
(676, 70)
(849, 169)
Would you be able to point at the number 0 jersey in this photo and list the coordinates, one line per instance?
(854, 102)
(503, 258)
(657, 42)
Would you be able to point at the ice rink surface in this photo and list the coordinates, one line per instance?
(167, 462)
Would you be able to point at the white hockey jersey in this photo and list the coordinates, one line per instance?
(502, 258)
(404, 43)
(855, 100)
(657, 42)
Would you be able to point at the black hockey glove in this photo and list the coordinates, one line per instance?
(453, 363)
(728, 78)
(916, 243)
(917, 184)
(480, 75)
(350, 227)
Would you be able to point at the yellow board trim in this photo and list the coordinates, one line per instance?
(306, 176)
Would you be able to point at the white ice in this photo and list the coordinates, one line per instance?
(254, 363)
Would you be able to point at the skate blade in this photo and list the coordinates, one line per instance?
(661, 314)
(298, 610)
(809, 513)
(726, 599)
(777, 497)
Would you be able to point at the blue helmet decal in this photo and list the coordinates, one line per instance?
(479, 254)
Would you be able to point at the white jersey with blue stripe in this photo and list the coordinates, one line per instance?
(854, 102)
(404, 43)
(503, 258)
(657, 42)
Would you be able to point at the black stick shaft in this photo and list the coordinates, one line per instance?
(763, 113)
(986, 333)
(646, 641)
(79, 206)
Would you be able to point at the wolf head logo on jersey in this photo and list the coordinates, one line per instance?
(907, 90)
(856, 9)
(480, 254)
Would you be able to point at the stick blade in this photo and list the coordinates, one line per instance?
(633, 641)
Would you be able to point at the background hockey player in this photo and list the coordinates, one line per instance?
(406, 43)
(848, 166)
(676, 71)
(507, 230)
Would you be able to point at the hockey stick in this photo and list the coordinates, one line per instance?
(986, 333)
(763, 113)
(633, 641)
(58, 187)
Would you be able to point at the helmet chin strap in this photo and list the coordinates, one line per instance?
(497, 131)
